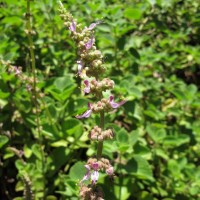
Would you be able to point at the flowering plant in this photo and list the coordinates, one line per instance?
(90, 69)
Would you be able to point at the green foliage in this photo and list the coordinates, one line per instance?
(151, 51)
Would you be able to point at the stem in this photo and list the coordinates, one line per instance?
(100, 143)
(32, 61)
(120, 177)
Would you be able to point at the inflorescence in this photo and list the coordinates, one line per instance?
(90, 69)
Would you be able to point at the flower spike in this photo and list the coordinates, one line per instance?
(90, 64)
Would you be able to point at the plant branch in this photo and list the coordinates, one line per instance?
(100, 143)
(33, 67)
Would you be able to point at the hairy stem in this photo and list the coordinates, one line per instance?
(33, 67)
(100, 143)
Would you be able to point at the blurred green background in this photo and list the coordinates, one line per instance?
(151, 50)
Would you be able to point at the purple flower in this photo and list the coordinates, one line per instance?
(88, 174)
(95, 165)
(110, 171)
(17, 71)
(90, 43)
(93, 25)
(28, 87)
(72, 26)
(87, 87)
(86, 114)
(80, 66)
(114, 104)
(94, 176)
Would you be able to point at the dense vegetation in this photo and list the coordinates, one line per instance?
(151, 50)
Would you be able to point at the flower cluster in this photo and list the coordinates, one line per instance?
(102, 105)
(17, 71)
(96, 87)
(97, 134)
(89, 193)
(93, 167)
(90, 58)
(91, 69)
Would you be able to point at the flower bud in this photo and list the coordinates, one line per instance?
(110, 171)
(97, 53)
(100, 138)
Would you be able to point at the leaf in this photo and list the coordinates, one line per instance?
(27, 151)
(121, 42)
(36, 149)
(134, 53)
(51, 197)
(156, 133)
(104, 28)
(139, 167)
(77, 171)
(175, 141)
(3, 140)
(143, 150)
(161, 153)
(60, 88)
(133, 137)
(152, 2)
(4, 95)
(62, 82)
(179, 94)
(60, 143)
(123, 147)
(132, 13)
(122, 136)
(59, 157)
(72, 127)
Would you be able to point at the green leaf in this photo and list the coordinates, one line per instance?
(161, 153)
(134, 53)
(141, 149)
(133, 137)
(77, 171)
(36, 149)
(179, 94)
(156, 133)
(72, 127)
(139, 167)
(51, 197)
(152, 2)
(123, 147)
(132, 13)
(175, 141)
(104, 28)
(122, 136)
(59, 157)
(3, 140)
(62, 82)
(27, 151)
(4, 95)
(61, 88)
(60, 143)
